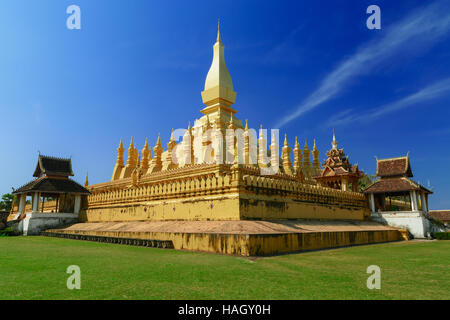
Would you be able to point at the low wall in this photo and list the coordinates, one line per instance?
(414, 221)
(35, 223)
(244, 244)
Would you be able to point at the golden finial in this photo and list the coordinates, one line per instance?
(296, 143)
(172, 136)
(120, 144)
(246, 124)
(189, 126)
(315, 148)
(218, 31)
(285, 140)
(306, 144)
(146, 144)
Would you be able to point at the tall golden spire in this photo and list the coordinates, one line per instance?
(156, 163)
(218, 93)
(131, 161)
(298, 160)
(316, 163)
(306, 160)
(158, 142)
(146, 155)
(119, 162)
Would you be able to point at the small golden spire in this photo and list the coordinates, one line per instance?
(285, 140)
(146, 144)
(172, 136)
(246, 124)
(297, 145)
(273, 137)
(306, 144)
(158, 142)
(86, 182)
(120, 144)
(131, 143)
(315, 147)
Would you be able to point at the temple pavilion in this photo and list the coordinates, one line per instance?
(395, 191)
(51, 181)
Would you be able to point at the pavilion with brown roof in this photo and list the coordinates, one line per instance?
(394, 183)
(52, 180)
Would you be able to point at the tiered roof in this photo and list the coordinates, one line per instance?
(394, 176)
(337, 163)
(52, 177)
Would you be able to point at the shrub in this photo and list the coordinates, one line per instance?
(441, 235)
(6, 232)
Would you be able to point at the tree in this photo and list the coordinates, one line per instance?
(6, 203)
(365, 181)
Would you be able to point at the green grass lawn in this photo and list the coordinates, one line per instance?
(35, 268)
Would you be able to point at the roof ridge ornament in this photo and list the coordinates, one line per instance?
(334, 143)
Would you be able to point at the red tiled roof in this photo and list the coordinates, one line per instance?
(394, 184)
(394, 167)
(52, 185)
(441, 215)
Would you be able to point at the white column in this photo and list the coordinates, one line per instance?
(424, 202)
(22, 202)
(344, 185)
(35, 201)
(372, 202)
(77, 204)
(413, 197)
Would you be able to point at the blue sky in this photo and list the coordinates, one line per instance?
(137, 68)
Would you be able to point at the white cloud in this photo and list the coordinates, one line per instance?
(425, 26)
(430, 92)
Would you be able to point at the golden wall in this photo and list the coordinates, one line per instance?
(219, 192)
